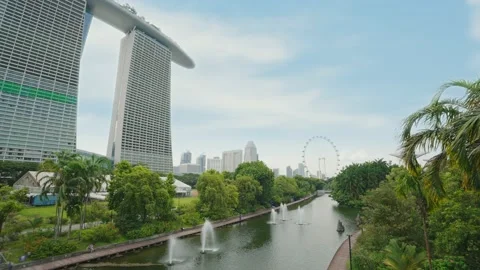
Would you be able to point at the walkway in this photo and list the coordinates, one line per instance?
(73, 259)
(342, 256)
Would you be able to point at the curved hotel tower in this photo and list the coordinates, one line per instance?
(41, 43)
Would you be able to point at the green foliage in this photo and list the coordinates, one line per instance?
(400, 256)
(11, 171)
(102, 233)
(455, 226)
(10, 202)
(188, 215)
(43, 248)
(249, 190)
(138, 196)
(284, 189)
(188, 178)
(217, 198)
(153, 228)
(449, 263)
(98, 211)
(306, 186)
(356, 179)
(260, 172)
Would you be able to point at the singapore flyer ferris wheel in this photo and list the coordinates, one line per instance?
(333, 160)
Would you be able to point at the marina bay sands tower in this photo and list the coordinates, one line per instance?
(41, 43)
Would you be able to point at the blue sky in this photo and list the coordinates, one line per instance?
(280, 72)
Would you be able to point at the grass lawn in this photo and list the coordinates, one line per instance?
(184, 200)
(38, 211)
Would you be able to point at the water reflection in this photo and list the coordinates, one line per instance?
(257, 245)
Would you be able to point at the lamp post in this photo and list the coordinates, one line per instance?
(350, 251)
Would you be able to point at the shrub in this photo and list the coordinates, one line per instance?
(449, 263)
(102, 233)
(42, 247)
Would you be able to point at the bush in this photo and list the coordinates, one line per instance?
(448, 263)
(53, 220)
(150, 229)
(42, 247)
(103, 233)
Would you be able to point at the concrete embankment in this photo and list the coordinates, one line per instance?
(74, 259)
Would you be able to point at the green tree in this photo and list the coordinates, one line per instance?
(455, 226)
(356, 179)
(284, 189)
(63, 182)
(217, 199)
(11, 201)
(260, 172)
(450, 127)
(400, 256)
(138, 196)
(35, 223)
(248, 191)
(416, 184)
(11, 171)
(188, 178)
(170, 185)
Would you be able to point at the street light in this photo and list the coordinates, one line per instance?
(350, 251)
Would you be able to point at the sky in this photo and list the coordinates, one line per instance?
(281, 72)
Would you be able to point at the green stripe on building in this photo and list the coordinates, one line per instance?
(32, 92)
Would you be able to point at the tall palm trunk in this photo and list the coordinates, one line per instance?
(423, 212)
(70, 228)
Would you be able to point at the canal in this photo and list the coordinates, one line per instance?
(254, 244)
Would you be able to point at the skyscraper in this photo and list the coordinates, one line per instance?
(301, 169)
(40, 49)
(41, 43)
(201, 161)
(231, 160)
(250, 152)
(186, 158)
(289, 171)
(214, 164)
(276, 172)
(140, 128)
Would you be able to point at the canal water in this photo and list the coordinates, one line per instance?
(254, 244)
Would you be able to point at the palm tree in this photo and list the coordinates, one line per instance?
(59, 183)
(414, 183)
(400, 256)
(452, 127)
(95, 171)
(35, 223)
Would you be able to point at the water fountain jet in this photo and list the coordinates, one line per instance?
(206, 235)
(300, 216)
(273, 217)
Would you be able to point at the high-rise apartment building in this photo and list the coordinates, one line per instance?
(250, 152)
(186, 157)
(41, 42)
(301, 169)
(40, 49)
(201, 161)
(214, 164)
(289, 172)
(276, 172)
(231, 160)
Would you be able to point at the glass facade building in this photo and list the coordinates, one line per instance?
(40, 49)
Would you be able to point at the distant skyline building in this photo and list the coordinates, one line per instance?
(214, 164)
(186, 158)
(301, 169)
(276, 172)
(250, 152)
(231, 159)
(289, 172)
(201, 161)
(187, 168)
(295, 172)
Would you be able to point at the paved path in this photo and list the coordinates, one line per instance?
(342, 256)
(63, 261)
(75, 227)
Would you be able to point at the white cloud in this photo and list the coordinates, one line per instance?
(229, 81)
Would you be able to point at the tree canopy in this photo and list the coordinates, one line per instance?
(260, 172)
(356, 179)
